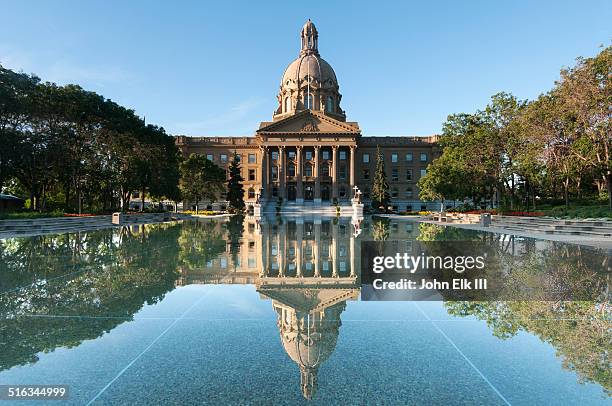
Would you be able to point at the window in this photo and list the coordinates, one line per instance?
(325, 170)
(274, 155)
(325, 154)
(423, 157)
(366, 174)
(329, 106)
(394, 192)
(291, 154)
(308, 101)
(423, 172)
(343, 155)
(238, 157)
(210, 157)
(251, 174)
(224, 158)
(291, 170)
(252, 159)
(308, 170)
(274, 173)
(287, 104)
(394, 174)
(342, 172)
(394, 158)
(408, 174)
(366, 158)
(408, 156)
(251, 193)
(308, 155)
(409, 192)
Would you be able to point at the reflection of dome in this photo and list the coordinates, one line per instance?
(309, 82)
(309, 339)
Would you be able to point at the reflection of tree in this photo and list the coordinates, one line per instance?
(235, 227)
(199, 242)
(380, 228)
(579, 331)
(435, 232)
(110, 275)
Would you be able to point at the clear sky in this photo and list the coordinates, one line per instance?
(214, 68)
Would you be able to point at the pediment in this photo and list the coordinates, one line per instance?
(308, 300)
(308, 122)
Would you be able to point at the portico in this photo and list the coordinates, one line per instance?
(315, 166)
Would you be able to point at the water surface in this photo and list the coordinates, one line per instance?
(268, 311)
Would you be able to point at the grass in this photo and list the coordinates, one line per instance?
(25, 215)
(579, 212)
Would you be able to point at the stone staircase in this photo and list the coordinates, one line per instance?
(309, 209)
(586, 228)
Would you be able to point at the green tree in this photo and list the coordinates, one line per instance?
(200, 179)
(235, 189)
(380, 188)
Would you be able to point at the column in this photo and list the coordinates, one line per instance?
(264, 171)
(334, 250)
(299, 198)
(352, 171)
(317, 188)
(334, 172)
(282, 192)
(315, 247)
(298, 246)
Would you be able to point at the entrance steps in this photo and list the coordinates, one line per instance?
(309, 208)
(587, 228)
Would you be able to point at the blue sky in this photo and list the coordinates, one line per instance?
(214, 69)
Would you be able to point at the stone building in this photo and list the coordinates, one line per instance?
(309, 153)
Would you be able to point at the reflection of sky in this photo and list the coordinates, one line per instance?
(210, 338)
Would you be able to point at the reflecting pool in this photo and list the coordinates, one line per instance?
(267, 311)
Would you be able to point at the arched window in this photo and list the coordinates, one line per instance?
(329, 106)
(287, 104)
(308, 101)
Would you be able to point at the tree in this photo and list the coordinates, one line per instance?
(380, 188)
(586, 91)
(442, 181)
(200, 179)
(235, 189)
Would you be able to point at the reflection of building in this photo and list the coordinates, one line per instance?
(309, 324)
(268, 251)
(309, 152)
(309, 268)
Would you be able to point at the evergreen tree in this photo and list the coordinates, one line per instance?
(380, 189)
(235, 190)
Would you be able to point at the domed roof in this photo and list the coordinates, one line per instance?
(309, 82)
(312, 66)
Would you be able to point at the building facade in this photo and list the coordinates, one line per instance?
(309, 153)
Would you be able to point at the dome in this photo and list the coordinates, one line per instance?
(310, 66)
(309, 339)
(309, 82)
